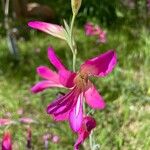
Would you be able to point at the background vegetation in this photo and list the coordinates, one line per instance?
(124, 124)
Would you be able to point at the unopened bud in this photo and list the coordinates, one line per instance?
(75, 4)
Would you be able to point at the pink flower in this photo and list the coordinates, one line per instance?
(102, 37)
(4, 122)
(69, 106)
(55, 139)
(26, 120)
(52, 29)
(92, 30)
(88, 124)
(6, 142)
(47, 136)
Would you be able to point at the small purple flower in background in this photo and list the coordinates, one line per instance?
(69, 106)
(6, 141)
(88, 124)
(55, 139)
(26, 120)
(4, 122)
(102, 37)
(46, 138)
(94, 30)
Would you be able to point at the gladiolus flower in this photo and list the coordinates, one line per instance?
(6, 142)
(52, 29)
(69, 106)
(88, 124)
(92, 30)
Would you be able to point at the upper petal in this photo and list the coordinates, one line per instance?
(101, 65)
(93, 98)
(67, 78)
(76, 115)
(52, 29)
(55, 60)
(42, 85)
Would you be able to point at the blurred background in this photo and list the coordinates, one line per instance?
(124, 123)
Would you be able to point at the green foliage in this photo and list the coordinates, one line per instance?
(125, 121)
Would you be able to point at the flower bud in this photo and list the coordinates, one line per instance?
(75, 4)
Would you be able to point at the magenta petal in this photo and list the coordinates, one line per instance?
(88, 124)
(89, 29)
(42, 85)
(101, 65)
(52, 29)
(94, 99)
(62, 103)
(47, 73)
(67, 78)
(76, 115)
(61, 117)
(81, 137)
(55, 60)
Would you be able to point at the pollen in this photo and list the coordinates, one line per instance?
(81, 81)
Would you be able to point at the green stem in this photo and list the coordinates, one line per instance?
(91, 140)
(73, 46)
(74, 61)
(71, 26)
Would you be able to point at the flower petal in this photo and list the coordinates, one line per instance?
(67, 78)
(94, 99)
(63, 103)
(61, 117)
(52, 29)
(101, 65)
(42, 85)
(76, 115)
(88, 124)
(55, 60)
(47, 73)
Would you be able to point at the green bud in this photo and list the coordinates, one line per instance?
(75, 4)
